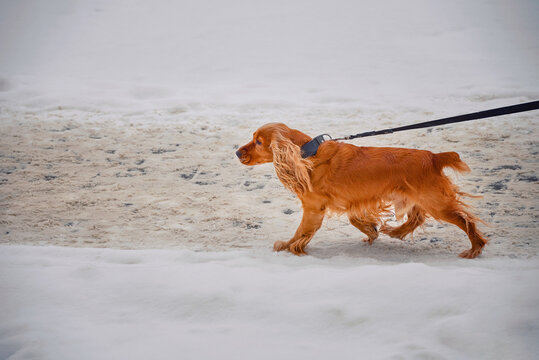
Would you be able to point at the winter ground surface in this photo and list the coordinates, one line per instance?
(73, 303)
(128, 228)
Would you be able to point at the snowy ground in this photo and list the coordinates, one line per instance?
(119, 125)
(127, 185)
(66, 303)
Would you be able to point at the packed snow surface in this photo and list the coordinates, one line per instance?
(65, 303)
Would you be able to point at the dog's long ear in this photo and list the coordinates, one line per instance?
(291, 168)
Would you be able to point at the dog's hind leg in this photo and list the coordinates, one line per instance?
(466, 222)
(454, 212)
(311, 222)
(368, 227)
(416, 218)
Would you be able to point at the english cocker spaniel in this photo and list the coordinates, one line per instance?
(364, 183)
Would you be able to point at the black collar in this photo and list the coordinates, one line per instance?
(309, 149)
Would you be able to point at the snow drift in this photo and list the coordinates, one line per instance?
(62, 303)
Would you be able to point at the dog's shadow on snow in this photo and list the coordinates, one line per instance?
(386, 250)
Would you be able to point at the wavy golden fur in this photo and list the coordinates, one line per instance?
(364, 183)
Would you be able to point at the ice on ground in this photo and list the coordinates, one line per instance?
(63, 303)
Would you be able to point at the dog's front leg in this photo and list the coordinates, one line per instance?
(311, 222)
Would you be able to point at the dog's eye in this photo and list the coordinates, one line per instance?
(258, 142)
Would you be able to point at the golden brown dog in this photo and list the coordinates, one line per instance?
(363, 182)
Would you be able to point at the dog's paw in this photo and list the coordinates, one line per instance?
(368, 240)
(470, 254)
(296, 249)
(280, 246)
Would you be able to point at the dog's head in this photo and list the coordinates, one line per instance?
(281, 145)
(266, 140)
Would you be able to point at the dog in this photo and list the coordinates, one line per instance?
(363, 183)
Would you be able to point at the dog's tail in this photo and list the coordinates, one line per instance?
(450, 159)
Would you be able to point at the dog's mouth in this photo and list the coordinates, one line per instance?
(245, 159)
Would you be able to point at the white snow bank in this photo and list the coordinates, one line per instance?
(97, 55)
(65, 303)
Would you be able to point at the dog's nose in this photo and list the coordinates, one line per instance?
(238, 154)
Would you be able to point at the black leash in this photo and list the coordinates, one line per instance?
(506, 110)
(310, 148)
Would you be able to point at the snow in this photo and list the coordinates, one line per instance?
(90, 88)
(65, 303)
(111, 55)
